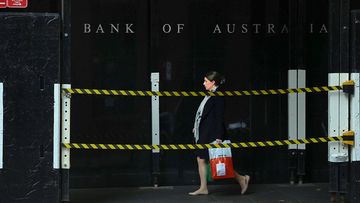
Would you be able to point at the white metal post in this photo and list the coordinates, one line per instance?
(301, 108)
(292, 108)
(1, 124)
(296, 124)
(65, 128)
(296, 107)
(155, 119)
(56, 127)
(337, 118)
(355, 118)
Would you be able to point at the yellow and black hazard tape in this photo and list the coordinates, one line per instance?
(344, 138)
(196, 94)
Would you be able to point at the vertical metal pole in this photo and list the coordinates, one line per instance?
(355, 150)
(296, 124)
(155, 120)
(1, 124)
(65, 79)
(338, 120)
(65, 138)
(339, 11)
(301, 108)
(301, 124)
(292, 124)
(66, 41)
(56, 126)
(292, 108)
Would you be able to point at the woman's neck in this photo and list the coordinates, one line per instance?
(214, 89)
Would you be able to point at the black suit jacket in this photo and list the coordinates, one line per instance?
(212, 125)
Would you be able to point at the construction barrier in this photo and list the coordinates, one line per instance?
(346, 138)
(197, 94)
(347, 86)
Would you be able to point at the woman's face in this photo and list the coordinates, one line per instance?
(209, 85)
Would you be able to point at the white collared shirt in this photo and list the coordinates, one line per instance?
(199, 114)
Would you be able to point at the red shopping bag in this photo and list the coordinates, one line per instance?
(221, 163)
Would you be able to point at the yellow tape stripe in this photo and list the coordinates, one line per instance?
(203, 146)
(282, 91)
(88, 91)
(317, 89)
(326, 88)
(93, 146)
(141, 93)
(270, 143)
(278, 142)
(322, 139)
(191, 146)
(264, 92)
(193, 93)
(220, 93)
(78, 91)
(229, 93)
(297, 141)
(332, 139)
(305, 140)
(261, 144)
(308, 90)
(120, 146)
(313, 140)
(252, 144)
(238, 93)
(85, 146)
(246, 93)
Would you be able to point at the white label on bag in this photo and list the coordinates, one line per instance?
(220, 169)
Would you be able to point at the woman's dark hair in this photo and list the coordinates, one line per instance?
(215, 76)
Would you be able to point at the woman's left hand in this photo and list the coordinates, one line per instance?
(218, 141)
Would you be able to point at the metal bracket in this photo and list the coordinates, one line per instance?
(349, 86)
(65, 129)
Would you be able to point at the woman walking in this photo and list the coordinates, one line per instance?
(208, 127)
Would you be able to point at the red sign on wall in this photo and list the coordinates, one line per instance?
(17, 3)
(3, 3)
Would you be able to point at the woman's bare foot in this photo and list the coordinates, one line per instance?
(244, 183)
(199, 192)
